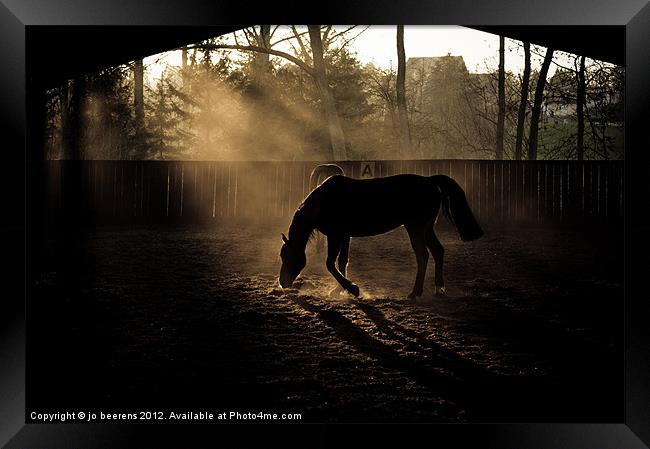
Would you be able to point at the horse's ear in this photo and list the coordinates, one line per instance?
(285, 239)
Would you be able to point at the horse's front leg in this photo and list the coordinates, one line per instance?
(342, 263)
(335, 245)
(343, 256)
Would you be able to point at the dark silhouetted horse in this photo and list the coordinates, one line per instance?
(343, 207)
(318, 176)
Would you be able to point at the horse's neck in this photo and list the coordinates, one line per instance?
(301, 228)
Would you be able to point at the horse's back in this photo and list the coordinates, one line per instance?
(399, 185)
(377, 205)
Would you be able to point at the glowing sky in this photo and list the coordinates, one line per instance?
(378, 45)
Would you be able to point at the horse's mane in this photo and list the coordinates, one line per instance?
(300, 217)
(301, 214)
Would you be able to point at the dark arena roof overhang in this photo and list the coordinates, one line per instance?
(57, 53)
(605, 43)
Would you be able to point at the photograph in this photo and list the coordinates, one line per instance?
(328, 224)
(225, 225)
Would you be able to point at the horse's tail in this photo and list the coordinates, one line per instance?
(456, 208)
(321, 173)
(313, 180)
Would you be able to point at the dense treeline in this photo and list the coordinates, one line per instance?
(251, 101)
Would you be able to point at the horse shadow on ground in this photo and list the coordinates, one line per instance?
(482, 395)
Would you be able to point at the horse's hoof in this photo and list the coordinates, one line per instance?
(441, 291)
(412, 297)
(354, 290)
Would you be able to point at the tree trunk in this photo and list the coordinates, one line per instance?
(405, 137)
(138, 101)
(537, 105)
(502, 99)
(523, 103)
(261, 61)
(184, 57)
(580, 108)
(74, 149)
(389, 127)
(65, 113)
(334, 125)
(261, 111)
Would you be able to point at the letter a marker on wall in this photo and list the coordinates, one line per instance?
(367, 170)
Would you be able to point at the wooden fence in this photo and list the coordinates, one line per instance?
(189, 191)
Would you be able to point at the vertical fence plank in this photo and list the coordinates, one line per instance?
(488, 188)
(563, 190)
(603, 190)
(530, 190)
(589, 190)
(614, 191)
(498, 191)
(514, 190)
(458, 170)
(541, 191)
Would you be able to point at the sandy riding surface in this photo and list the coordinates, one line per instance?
(530, 330)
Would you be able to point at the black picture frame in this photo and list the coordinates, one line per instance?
(16, 15)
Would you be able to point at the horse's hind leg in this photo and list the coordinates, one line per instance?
(438, 253)
(416, 234)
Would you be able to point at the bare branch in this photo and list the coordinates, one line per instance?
(255, 48)
(250, 35)
(303, 48)
(340, 33)
(326, 42)
(292, 36)
(347, 41)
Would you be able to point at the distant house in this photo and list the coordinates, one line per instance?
(441, 95)
(563, 108)
(561, 98)
(417, 68)
(431, 77)
(447, 68)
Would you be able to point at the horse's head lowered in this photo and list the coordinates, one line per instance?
(293, 261)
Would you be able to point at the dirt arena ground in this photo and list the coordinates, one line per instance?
(158, 317)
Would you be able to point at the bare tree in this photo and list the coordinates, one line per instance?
(405, 137)
(334, 125)
(261, 64)
(65, 113)
(537, 105)
(76, 125)
(314, 65)
(138, 102)
(523, 102)
(580, 105)
(184, 58)
(502, 99)
(381, 85)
